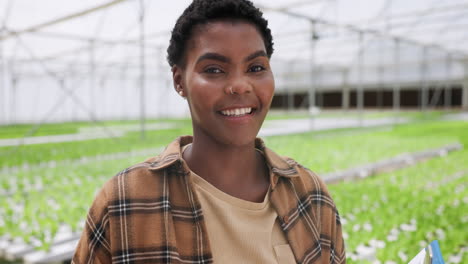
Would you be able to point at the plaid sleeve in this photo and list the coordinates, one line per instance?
(331, 229)
(337, 254)
(94, 244)
(331, 222)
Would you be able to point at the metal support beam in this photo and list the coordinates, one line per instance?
(67, 93)
(14, 87)
(396, 79)
(313, 75)
(60, 20)
(2, 85)
(123, 95)
(465, 88)
(356, 29)
(424, 82)
(381, 71)
(69, 79)
(318, 81)
(448, 85)
(300, 3)
(407, 17)
(142, 69)
(345, 91)
(290, 95)
(161, 67)
(92, 79)
(360, 81)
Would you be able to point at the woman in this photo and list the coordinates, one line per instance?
(220, 196)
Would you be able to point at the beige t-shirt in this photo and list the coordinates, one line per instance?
(241, 231)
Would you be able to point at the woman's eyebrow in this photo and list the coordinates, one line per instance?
(213, 56)
(224, 59)
(260, 53)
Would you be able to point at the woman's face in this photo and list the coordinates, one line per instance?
(224, 56)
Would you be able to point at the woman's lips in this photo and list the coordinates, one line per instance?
(237, 112)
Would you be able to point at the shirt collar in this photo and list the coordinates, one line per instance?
(173, 154)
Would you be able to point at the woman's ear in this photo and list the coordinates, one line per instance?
(177, 80)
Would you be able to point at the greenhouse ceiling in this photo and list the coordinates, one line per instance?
(115, 32)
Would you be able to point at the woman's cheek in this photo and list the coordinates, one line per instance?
(266, 87)
(208, 83)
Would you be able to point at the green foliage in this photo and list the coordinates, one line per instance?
(415, 115)
(18, 131)
(36, 200)
(430, 197)
(48, 129)
(34, 154)
(346, 149)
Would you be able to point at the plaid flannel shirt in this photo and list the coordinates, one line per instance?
(150, 213)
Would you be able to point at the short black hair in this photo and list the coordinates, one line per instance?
(200, 12)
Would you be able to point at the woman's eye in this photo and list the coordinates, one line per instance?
(213, 70)
(256, 68)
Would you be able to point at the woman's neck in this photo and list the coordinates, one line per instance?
(236, 170)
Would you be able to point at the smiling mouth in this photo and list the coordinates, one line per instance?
(237, 112)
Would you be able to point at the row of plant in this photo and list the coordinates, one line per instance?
(46, 129)
(406, 210)
(33, 206)
(34, 203)
(397, 214)
(319, 152)
(331, 151)
(342, 148)
(49, 129)
(27, 155)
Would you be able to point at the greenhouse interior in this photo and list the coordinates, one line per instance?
(370, 95)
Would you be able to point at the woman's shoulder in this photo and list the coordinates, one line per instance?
(146, 179)
(303, 175)
(140, 180)
(289, 167)
(304, 172)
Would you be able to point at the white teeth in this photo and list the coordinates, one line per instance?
(237, 111)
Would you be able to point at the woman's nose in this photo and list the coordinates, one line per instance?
(239, 85)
